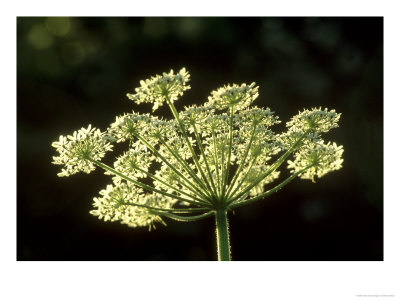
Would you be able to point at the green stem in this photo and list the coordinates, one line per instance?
(168, 185)
(239, 185)
(164, 160)
(142, 185)
(185, 218)
(170, 210)
(273, 190)
(242, 163)
(223, 246)
(186, 138)
(180, 160)
(216, 163)
(205, 157)
(274, 166)
(228, 165)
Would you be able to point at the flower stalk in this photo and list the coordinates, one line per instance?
(222, 230)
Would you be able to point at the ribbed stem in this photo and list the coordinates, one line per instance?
(224, 249)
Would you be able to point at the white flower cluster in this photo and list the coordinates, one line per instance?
(249, 175)
(315, 120)
(156, 89)
(203, 159)
(75, 150)
(126, 126)
(256, 116)
(321, 159)
(234, 96)
(127, 204)
(311, 153)
(198, 118)
(263, 145)
(134, 163)
(173, 143)
(169, 176)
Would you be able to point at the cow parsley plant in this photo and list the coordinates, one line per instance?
(208, 159)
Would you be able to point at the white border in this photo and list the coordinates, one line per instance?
(195, 280)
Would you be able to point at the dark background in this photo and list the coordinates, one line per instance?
(76, 71)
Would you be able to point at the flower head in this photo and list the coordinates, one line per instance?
(78, 149)
(128, 126)
(128, 204)
(315, 120)
(156, 89)
(321, 159)
(134, 163)
(198, 118)
(234, 96)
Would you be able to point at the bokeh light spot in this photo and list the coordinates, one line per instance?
(58, 26)
(189, 28)
(39, 37)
